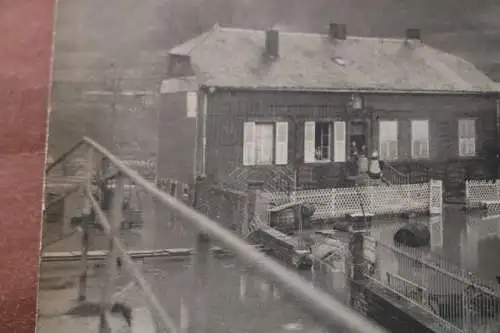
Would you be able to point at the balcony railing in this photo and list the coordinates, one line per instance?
(100, 163)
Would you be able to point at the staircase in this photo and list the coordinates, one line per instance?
(391, 176)
(275, 179)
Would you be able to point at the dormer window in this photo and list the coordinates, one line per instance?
(179, 66)
(356, 102)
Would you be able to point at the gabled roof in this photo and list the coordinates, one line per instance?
(229, 57)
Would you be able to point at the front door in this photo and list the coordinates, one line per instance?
(358, 137)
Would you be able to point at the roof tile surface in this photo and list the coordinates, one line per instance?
(229, 57)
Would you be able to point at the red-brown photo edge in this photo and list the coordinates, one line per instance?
(25, 71)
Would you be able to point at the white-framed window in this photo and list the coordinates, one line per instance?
(388, 140)
(466, 137)
(419, 139)
(265, 143)
(324, 141)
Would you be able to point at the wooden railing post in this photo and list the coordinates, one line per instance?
(246, 216)
(198, 313)
(116, 221)
(85, 244)
(86, 217)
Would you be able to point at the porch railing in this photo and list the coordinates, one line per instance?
(322, 305)
(394, 177)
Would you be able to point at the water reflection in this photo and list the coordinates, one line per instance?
(252, 286)
(464, 242)
(239, 298)
(243, 287)
(436, 232)
(482, 244)
(184, 315)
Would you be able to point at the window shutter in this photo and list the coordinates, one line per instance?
(393, 150)
(388, 139)
(424, 149)
(420, 138)
(309, 137)
(461, 128)
(462, 147)
(471, 147)
(191, 104)
(340, 141)
(249, 143)
(416, 149)
(472, 138)
(472, 128)
(281, 143)
(466, 137)
(384, 151)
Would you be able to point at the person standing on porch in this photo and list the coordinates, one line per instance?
(362, 161)
(374, 168)
(354, 159)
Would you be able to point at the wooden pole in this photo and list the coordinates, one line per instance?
(113, 255)
(86, 216)
(199, 307)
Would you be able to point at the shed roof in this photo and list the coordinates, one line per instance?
(233, 58)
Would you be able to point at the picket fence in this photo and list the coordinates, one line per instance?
(377, 200)
(481, 190)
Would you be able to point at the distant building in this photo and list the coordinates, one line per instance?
(269, 99)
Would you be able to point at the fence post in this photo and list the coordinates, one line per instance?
(82, 286)
(358, 300)
(498, 190)
(357, 276)
(466, 313)
(198, 324)
(467, 193)
(173, 192)
(116, 220)
(245, 216)
(408, 196)
(86, 217)
(435, 197)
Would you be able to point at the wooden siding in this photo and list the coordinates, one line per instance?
(443, 131)
(227, 110)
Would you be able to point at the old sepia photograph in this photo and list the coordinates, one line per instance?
(222, 166)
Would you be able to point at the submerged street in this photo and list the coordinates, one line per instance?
(240, 300)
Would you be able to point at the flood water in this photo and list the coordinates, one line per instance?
(469, 241)
(239, 299)
(242, 301)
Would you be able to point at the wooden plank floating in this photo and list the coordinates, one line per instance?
(285, 206)
(285, 248)
(136, 254)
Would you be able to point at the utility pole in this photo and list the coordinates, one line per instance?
(295, 166)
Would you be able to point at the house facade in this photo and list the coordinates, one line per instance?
(301, 103)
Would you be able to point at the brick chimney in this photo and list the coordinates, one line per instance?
(272, 43)
(413, 34)
(337, 31)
